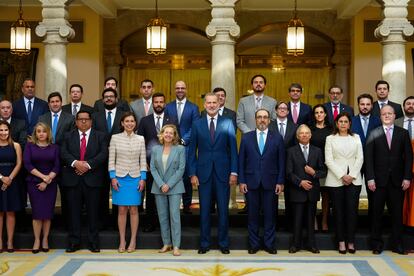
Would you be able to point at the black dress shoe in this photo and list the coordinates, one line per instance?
(351, 250)
(149, 228)
(293, 249)
(35, 251)
(313, 249)
(203, 250)
(187, 210)
(252, 250)
(10, 250)
(271, 250)
(94, 248)
(376, 251)
(342, 251)
(400, 250)
(225, 250)
(72, 248)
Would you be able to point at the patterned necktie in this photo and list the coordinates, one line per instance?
(261, 142)
(258, 104)
(109, 121)
(410, 130)
(54, 126)
(158, 124)
(179, 111)
(146, 107)
(382, 105)
(75, 109)
(305, 153)
(295, 113)
(335, 114)
(212, 130)
(29, 111)
(282, 130)
(365, 125)
(388, 134)
(83, 147)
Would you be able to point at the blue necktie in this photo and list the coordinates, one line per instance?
(54, 126)
(29, 111)
(109, 121)
(261, 142)
(410, 130)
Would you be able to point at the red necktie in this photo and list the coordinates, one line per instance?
(335, 111)
(83, 147)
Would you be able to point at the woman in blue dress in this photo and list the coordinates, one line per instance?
(127, 170)
(10, 200)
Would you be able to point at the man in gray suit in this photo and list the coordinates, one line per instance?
(407, 121)
(143, 106)
(248, 105)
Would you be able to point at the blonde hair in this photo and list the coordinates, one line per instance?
(176, 138)
(33, 139)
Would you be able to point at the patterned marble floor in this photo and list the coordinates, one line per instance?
(238, 263)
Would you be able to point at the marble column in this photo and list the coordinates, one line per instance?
(392, 29)
(56, 30)
(223, 31)
(342, 60)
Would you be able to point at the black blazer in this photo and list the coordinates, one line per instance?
(68, 108)
(342, 108)
(304, 116)
(383, 163)
(96, 155)
(99, 123)
(290, 132)
(295, 173)
(147, 129)
(397, 108)
(66, 123)
(18, 131)
(228, 113)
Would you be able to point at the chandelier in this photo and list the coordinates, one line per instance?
(295, 39)
(20, 35)
(156, 34)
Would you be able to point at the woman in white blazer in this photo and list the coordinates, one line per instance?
(167, 168)
(344, 158)
(127, 169)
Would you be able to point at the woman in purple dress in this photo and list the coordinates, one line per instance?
(10, 200)
(41, 159)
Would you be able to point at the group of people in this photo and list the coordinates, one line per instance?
(157, 151)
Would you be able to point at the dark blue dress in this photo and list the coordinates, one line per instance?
(10, 199)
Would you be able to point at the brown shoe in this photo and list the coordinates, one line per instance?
(176, 251)
(165, 248)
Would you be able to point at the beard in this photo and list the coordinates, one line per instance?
(109, 106)
(159, 110)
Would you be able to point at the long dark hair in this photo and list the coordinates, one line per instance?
(9, 139)
(340, 115)
(127, 114)
(313, 121)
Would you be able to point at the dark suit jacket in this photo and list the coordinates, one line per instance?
(96, 155)
(265, 170)
(295, 164)
(18, 131)
(68, 108)
(99, 123)
(383, 163)
(397, 108)
(356, 127)
(205, 157)
(189, 115)
(304, 116)
(342, 108)
(290, 132)
(147, 129)
(121, 105)
(66, 123)
(228, 113)
(39, 107)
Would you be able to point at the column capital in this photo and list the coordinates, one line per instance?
(222, 27)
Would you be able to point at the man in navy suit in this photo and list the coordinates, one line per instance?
(212, 157)
(262, 177)
(363, 124)
(29, 107)
(186, 113)
(334, 107)
(150, 127)
(299, 112)
(382, 88)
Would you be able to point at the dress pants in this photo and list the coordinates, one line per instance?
(394, 197)
(345, 200)
(222, 193)
(76, 197)
(265, 200)
(168, 207)
(303, 211)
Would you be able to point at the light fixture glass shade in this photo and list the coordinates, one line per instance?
(20, 39)
(156, 37)
(295, 39)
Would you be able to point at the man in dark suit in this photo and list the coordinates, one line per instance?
(212, 157)
(334, 107)
(29, 107)
(99, 105)
(59, 122)
(75, 105)
(299, 112)
(186, 113)
(388, 164)
(363, 124)
(382, 88)
(150, 127)
(18, 127)
(108, 121)
(84, 155)
(304, 167)
(261, 177)
(407, 121)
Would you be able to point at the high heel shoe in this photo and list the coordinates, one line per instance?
(35, 251)
(351, 250)
(342, 251)
(165, 248)
(131, 248)
(121, 250)
(45, 249)
(176, 251)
